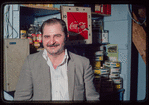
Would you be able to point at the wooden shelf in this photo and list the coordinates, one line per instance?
(99, 14)
(40, 7)
(58, 9)
(37, 11)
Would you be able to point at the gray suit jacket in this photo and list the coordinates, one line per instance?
(35, 84)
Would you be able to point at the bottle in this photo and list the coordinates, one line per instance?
(38, 40)
(31, 33)
(39, 34)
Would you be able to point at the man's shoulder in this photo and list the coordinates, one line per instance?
(35, 56)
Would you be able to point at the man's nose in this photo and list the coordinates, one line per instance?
(52, 41)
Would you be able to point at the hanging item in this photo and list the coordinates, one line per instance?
(78, 21)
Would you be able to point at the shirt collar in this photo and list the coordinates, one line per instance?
(45, 56)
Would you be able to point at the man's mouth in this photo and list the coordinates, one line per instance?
(52, 46)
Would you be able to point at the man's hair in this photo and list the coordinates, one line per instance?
(55, 21)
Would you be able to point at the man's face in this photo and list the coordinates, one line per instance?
(53, 39)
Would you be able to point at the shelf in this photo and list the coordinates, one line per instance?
(40, 7)
(56, 9)
(37, 11)
(99, 14)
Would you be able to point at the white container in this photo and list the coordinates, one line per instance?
(105, 37)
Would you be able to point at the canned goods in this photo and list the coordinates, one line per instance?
(99, 58)
(97, 64)
(104, 71)
(118, 83)
(115, 64)
(99, 53)
(114, 70)
(30, 39)
(105, 37)
(48, 5)
(23, 34)
(97, 71)
(105, 76)
(114, 75)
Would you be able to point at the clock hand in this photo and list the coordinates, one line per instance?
(84, 30)
(77, 22)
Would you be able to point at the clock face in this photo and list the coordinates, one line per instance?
(78, 21)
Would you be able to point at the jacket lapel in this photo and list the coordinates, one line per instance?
(70, 73)
(47, 78)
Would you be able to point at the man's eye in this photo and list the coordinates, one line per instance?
(46, 36)
(58, 35)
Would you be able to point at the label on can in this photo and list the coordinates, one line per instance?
(115, 70)
(104, 71)
(117, 81)
(97, 71)
(117, 75)
(99, 53)
(23, 34)
(98, 64)
(118, 86)
(115, 64)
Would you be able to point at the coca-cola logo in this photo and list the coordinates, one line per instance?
(78, 27)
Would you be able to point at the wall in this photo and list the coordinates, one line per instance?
(133, 72)
(141, 90)
(119, 26)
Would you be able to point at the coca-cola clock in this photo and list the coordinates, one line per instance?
(78, 21)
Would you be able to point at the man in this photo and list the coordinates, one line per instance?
(55, 73)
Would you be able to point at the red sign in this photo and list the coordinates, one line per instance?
(77, 23)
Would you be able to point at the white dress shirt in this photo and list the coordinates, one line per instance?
(59, 78)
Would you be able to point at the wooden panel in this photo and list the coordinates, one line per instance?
(139, 38)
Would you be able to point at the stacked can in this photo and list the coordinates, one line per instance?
(106, 83)
(115, 70)
(98, 58)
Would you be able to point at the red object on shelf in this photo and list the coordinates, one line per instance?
(39, 39)
(98, 8)
(109, 9)
(106, 9)
(34, 37)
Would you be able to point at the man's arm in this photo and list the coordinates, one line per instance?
(91, 93)
(24, 85)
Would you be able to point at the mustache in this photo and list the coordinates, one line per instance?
(52, 45)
